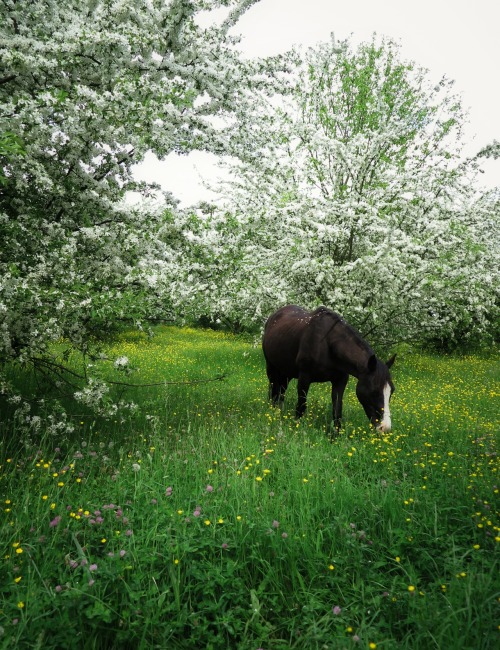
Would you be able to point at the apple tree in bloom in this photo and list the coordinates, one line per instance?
(354, 195)
(86, 89)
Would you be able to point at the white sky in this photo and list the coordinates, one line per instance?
(456, 38)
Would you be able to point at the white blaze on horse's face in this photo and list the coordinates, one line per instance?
(385, 425)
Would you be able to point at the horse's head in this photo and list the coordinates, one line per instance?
(374, 390)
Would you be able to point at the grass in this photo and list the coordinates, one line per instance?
(210, 520)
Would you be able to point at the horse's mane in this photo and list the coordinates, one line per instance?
(351, 331)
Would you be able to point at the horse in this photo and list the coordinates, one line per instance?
(320, 346)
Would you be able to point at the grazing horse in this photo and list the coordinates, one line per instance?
(319, 346)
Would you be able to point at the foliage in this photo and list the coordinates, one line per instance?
(216, 521)
(86, 89)
(354, 195)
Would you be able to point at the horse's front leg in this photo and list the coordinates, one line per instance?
(338, 388)
(302, 388)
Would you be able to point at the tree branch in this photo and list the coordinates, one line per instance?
(58, 368)
(8, 78)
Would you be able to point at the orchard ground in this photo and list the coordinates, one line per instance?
(208, 519)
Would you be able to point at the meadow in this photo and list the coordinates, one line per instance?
(208, 519)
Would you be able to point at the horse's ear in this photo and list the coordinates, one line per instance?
(372, 363)
(391, 361)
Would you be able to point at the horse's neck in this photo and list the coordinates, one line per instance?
(352, 356)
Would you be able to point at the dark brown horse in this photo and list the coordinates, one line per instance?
(319, 346)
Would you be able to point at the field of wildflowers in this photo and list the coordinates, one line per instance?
(208, 519)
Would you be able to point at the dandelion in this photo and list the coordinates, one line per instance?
(411, 588)
(275, 524)
(372, 646)
(136, 467)
(331, 567)
(18, 579)
(284, 535)
(19, 551)
(20, 604)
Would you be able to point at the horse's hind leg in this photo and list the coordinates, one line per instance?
(277, 386)
(302, 389)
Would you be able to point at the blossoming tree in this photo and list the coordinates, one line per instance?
(86, 88)
(354, 194)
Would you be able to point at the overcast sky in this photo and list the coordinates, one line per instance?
(456, 38)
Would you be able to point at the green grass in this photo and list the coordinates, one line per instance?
(215, 521)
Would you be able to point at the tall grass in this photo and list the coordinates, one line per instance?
(211, 520)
